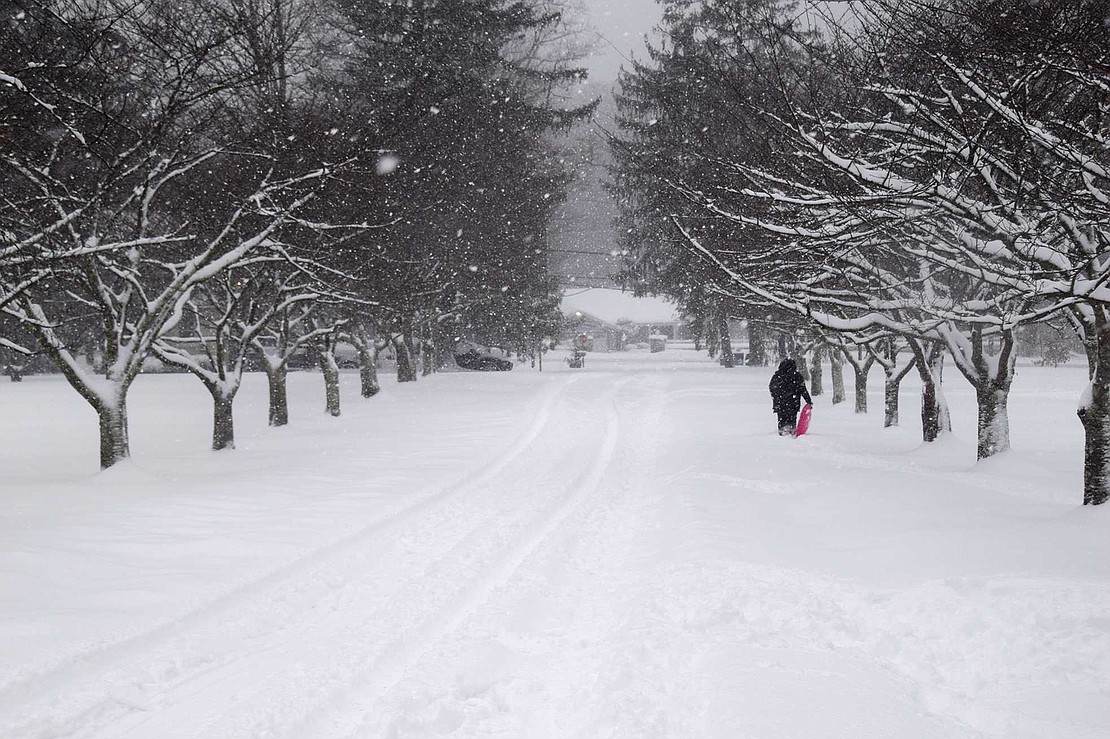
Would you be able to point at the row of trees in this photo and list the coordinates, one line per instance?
(911, 179)
(208, 182)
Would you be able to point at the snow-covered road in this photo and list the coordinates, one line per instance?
(627, 551)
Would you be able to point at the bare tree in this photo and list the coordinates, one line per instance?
(142, 148)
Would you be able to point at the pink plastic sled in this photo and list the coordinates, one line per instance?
(803, 420)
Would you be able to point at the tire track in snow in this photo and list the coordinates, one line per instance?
(94, 687)
(327, 675)
(347, 713)
(551, 632)
(554, 657)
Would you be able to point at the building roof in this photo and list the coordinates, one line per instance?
(613, 305)
(589, 320)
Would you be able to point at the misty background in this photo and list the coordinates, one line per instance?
(583, 247)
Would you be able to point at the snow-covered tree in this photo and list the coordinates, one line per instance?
(986, 126)
(141, 174)
(952, 191)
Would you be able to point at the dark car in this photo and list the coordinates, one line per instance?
(474, 358)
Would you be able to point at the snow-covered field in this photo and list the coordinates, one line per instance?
(624, 551)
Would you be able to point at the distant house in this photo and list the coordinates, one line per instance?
(673, 330)
(600, 335)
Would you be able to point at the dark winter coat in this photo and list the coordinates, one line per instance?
(787, 388)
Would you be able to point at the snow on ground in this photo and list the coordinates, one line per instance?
(628, 550)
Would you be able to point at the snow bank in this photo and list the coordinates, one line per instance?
(625, 551)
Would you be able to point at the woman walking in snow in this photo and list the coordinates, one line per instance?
(787, 389)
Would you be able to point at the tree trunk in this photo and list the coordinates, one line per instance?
(107, 396)
(330, 369)
(861, 387)
(992, 394)
(728, 359)
(991, 376)
(1092, 360)
(803, 367)
(428, 357)
(887, 356)
(406, 368)
(815, 387)
(1094, 414)
(712, 340)
(861, 369)
(944, 418)
(223, 422)
(279, 395)
(934, 411)
(994, 422)
(114, 443)
(1096, 449)
(890, 398)
(757, 345)
(368, 371)
(364, 341)
(1083, 321)
(930, 411)
(836, 368)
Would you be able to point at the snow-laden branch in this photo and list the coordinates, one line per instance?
(801, 308)
(13, 81)
(1028, 125)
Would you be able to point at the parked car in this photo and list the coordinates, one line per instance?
(471, 356)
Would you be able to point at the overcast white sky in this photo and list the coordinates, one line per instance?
(622, 25)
